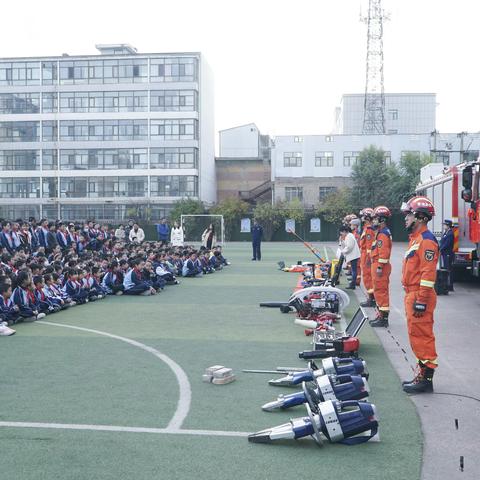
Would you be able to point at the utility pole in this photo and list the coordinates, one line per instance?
(374, 103)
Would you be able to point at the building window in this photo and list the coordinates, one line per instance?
(91, 130)
(173, 69)
(19, 131)
(174, 129)
(328, 138)
(350, 158)
(127, 70)
(104, 159)
(19, 188)
(50, 160)
(111, 101)
(298, 139)
(19, 103)
(49, 73)
(19, 160)
(393, 114)
(101, 187)
(173, 157)
(50, 131)
(324, 159)
(387, 158)
(50, 187)
(324, 192)
(393, 131)
(173, 100)
(292, 193)
(442, 157)
(20, 73)
(292, 159)
(174, 186)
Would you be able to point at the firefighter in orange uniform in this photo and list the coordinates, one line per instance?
(418, 279)
(381, 268)
(366, 239)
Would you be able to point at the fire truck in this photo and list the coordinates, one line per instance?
(455, 193)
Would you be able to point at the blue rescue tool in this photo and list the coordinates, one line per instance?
(324, 388)
(351, 422)
(329, 366)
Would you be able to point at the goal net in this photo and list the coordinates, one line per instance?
(195, 225)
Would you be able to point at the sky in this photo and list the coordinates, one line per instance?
(281, 64)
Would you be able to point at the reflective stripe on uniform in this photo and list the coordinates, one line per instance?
(427, 283)
(382, 260)
(414, 247)
(384, 309)
(433, 362)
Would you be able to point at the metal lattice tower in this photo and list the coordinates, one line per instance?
(374, 105)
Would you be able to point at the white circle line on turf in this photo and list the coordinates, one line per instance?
(118, 428)
(185, 395)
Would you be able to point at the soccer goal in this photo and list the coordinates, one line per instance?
(195, 225)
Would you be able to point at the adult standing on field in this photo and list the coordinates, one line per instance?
(351, 252)
(163, 231)
(177, 235)
(257, 234)
(418, 279)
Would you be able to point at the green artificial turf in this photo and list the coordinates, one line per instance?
(59, 375)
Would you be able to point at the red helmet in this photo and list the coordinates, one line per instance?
(382, 211)
(367, 212)
(419, 205)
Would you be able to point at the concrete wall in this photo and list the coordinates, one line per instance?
(310, 185)
(239, 174)
(415, 113)
(239, 142)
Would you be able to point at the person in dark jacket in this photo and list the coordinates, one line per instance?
(51, 238)
(257, 234)
(163, 231)
(446, 251)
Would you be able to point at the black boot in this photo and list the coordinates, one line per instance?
(370, 302)
(422, 383)
(380, 321)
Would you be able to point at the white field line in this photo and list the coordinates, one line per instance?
(117, 428)
(185, 394)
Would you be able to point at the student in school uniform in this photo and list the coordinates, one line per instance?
(134, 283)
(112, 281)
(23, 297)
(9, 312)
(73, 287)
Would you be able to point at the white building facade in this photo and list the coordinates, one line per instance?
(405, 113)
(105, 136)
(311, 167)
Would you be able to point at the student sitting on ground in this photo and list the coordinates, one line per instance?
(149, 274)
(191, 267)
(73, 287)
(113, 281)
(134, 283)
(9, 312)
(52, 293)
(23, 297)
(43, 303)
(162, 269)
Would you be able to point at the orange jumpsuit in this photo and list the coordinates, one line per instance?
(381, 250)
(418, 278)
(366, 239)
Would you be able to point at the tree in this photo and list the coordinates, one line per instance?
(336, 205)
(186, 206)
(409, 174)
(371, 179)
(292, 210)
(232, 209)
(269, 217)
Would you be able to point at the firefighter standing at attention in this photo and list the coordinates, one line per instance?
(418, 279)
(381, 268)
(366, 239)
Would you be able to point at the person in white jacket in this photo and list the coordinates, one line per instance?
(136, 235)
(177, 236)
(351, 251)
